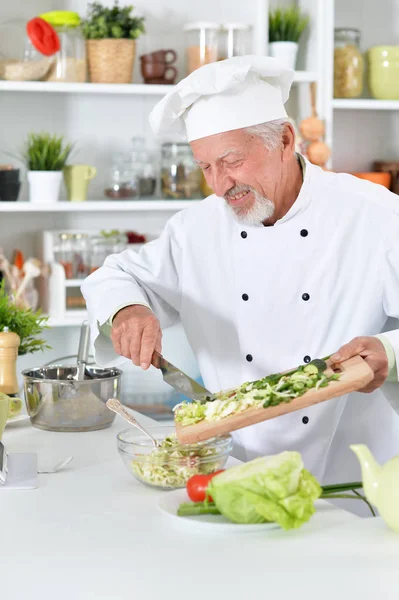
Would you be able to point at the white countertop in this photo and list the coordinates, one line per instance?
(93, 532)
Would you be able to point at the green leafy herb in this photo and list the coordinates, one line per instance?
(269, 391)
(24, 322)
(287, 24)
(116, 22)
(45, 152)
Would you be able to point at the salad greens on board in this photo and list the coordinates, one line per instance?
(269, 391)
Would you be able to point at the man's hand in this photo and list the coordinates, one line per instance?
(136, 333)
(373, 352)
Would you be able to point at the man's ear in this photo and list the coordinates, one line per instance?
(288, 142)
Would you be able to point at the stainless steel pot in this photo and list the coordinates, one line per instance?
(55, 401)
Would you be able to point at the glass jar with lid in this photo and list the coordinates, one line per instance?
(180, 175)
(70, 62)
(27, 49)
(201, 44)
(81, 247)
(103, 245)
(63, 253)
(348, 63)
(234, 40)
(122, 183)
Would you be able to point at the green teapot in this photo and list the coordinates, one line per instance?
(380, 484)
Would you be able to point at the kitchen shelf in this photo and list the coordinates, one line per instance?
(68, 321)
(99, 206)
(73, 283)
(365, 104)
(140, 89)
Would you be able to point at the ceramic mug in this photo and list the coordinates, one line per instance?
(4, 408)
(76, 178)
(155, 70)
(159, 57)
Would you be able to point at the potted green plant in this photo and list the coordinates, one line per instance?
(286, 26)
(24, 322)
(111, 35)
(45, 156)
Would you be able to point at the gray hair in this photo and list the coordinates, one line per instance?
(270, 133)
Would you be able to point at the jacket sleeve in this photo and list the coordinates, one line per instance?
(390, 286)
(150, 277)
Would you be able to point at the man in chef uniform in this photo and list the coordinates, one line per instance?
(284, 263)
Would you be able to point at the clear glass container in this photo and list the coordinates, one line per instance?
(70, 62)
(170, 466)
(105, 244)
(122, 183)
(148, 176)
(27, 49)
(63, 252)
(201, 44)
(81, 247)
(348, 64)
(234, 40)
(180, 175)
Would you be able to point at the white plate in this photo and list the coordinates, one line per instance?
(169, 502)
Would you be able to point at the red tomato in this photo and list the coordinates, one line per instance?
(197, 484)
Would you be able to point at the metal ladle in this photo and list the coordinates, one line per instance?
(114, 405)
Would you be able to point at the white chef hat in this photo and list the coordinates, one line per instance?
(222, 96)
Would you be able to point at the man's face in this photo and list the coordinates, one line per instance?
(238, 167)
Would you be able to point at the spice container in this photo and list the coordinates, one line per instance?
(63, 252)
(180, 175)
(348, 64)
(123, 178)
(201, 44)
(26, 49)
(234, 40)
(104, 245)
(81, 255)
(70, 62)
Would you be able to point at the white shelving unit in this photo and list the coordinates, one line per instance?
(102, 118)
(365, 104)
(113, 89)
(107, 206)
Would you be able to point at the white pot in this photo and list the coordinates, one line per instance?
(44, 186)
(285, 52)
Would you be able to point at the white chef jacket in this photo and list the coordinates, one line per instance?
(255, 300)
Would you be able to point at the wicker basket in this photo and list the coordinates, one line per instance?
(111, 60)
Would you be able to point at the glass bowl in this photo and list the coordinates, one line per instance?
(172, 465)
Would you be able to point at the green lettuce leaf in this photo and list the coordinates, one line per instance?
(272, 488)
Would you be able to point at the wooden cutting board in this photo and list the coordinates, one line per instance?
(355, 374)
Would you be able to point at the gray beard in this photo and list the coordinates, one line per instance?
(262, 209)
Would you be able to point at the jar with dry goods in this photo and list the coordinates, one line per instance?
(234, 40)
(348, 64)
(70, 62)
(27, 49)
(180, 175)
(63, 252)
(201, 44)
(81, 248)
(105, 244)
(122, 183)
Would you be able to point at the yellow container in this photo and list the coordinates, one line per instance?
(384, 72)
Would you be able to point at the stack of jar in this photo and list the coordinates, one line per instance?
(208, 42)
(80, 254)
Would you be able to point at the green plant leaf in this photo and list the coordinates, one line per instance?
(24, 322)
(45, 152)
(287, 24)
(116, 22)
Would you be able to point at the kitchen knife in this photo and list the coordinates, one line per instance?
(181, 382)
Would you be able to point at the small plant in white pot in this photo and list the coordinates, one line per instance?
(286, 26)
(45, 156)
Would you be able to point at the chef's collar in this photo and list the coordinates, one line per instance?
(303, 199)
